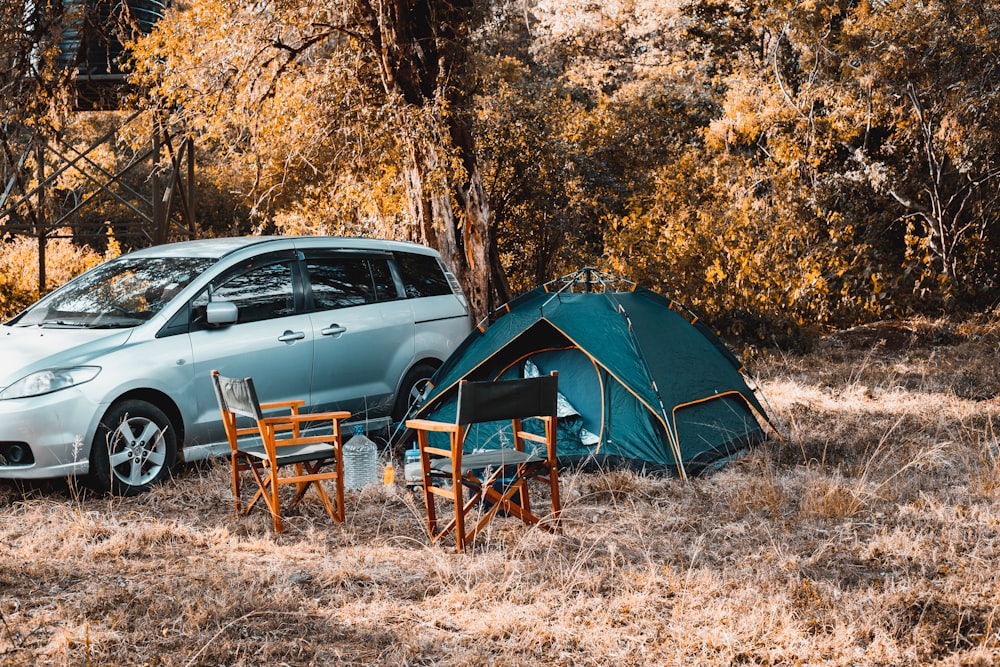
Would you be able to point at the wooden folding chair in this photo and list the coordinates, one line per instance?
(497, 477)
(275, 443)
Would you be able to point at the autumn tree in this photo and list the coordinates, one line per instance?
(29, 52)
(579, 104)
(750, 221)
(47, 144)
(848, 173)
(281, 104)
(29, 78)
(421, 47)
(318, 96)
(923, 75)
(29, 95)
(775, 164)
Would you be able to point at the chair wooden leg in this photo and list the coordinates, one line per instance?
(302, 487)
(458, 515)
(556, 500)
(448, 527)
(506, 501)
(488, 515)
(268, 491)
(339, 488)
(275, 503)
(524, 499)
(432, 526)
(236, 470)
(521, 510)
(336, 511)
(484, 491)
(427, 484)
(460, 510)
(321, 492)
(255, 472)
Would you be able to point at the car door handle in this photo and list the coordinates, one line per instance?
(333, 330)
(289, 336)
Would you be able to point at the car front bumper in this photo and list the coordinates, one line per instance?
(58, 428)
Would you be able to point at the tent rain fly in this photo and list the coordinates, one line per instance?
(645, 384)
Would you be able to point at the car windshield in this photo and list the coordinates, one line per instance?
(122, 293)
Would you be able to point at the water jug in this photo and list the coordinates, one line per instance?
(360, 460)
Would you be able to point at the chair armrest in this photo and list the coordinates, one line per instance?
(300, 418)
(430, 425)
(276, 405)
(285, 423)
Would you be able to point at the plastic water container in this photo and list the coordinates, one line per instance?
(412, 474)
(360, 460)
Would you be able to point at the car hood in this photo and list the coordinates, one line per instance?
(25, 350)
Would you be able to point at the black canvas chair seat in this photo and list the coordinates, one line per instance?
(490, 458)
(291, 454)
(497, 476)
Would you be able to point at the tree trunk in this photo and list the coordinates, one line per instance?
(420, 46)
(463, 237)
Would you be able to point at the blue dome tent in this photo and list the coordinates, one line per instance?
(642, 383)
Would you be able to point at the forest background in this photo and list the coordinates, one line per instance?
(777, 166)
(780, 167)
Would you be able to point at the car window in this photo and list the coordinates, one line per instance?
(260, 293)
(385, 286)
(120, 293)
(422, 275)
(339, 282)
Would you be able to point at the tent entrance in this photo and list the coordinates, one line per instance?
(580, 383)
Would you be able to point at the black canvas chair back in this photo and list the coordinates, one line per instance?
(496, 479)
(507, 399)
(237, 395)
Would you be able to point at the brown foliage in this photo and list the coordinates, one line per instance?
(19, 286)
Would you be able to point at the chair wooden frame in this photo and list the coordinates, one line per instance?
(276, 442)
(478, 402)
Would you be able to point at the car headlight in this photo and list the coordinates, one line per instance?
(50, 380)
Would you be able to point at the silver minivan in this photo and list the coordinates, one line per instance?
(108, 376)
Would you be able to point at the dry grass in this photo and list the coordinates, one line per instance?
(871, 537)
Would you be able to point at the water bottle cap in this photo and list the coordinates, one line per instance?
(359, 429)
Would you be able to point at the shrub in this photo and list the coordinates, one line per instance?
(63, 260)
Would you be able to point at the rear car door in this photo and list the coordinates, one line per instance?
(363, 331)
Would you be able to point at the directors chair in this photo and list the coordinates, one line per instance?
(275, 444)
(497, 479)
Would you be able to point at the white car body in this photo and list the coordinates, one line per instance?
(69, 380)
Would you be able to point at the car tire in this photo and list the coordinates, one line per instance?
(410, 388)
(135, 448)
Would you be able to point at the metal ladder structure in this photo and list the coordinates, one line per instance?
(153, 185)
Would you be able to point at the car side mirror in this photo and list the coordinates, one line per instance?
(221, 313)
